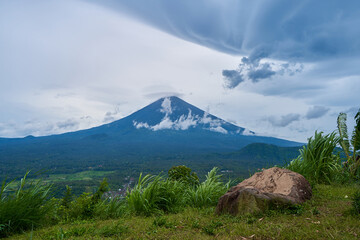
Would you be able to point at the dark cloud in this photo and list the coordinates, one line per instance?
(316, 112)
(283, 121)
(282, 29)
(232, 78)
(263, 72)
(253, 70)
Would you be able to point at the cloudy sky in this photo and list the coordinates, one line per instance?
(280, 68)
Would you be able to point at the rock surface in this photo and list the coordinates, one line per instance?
(274, 187)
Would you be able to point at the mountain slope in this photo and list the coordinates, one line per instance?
(167, 127)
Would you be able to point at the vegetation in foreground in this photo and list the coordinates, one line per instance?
(180, 206)
(327, 216)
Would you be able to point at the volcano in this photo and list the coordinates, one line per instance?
(167, 127)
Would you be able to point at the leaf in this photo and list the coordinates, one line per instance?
(344, 139)
(355, 140)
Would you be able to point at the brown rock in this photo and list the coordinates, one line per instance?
(272, 187)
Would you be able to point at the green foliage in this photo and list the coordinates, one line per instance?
(183, 174)
(356, 202)
(208, 192)
(352, 164)
(66, 200)
(113, 208)
(24, 208)
(316, 161)
(154, 194)
(83, 207)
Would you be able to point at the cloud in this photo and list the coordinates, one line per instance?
(254, 69)
(284, 120)
(316, 112)
(113, 115)
(232, 78)
(303, 30)
(184, 122)
(166, 106)
(265, 71)
(157, 95)
(68, 124)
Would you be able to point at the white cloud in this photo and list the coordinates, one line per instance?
(166, 106)
(218, 129)
(184, 122)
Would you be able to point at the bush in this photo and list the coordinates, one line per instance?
(25, 208)
(183, 174)
(316, 161)
(84, 206)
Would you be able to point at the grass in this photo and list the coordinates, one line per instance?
(326, 216)
(316, 161)
(24, 208)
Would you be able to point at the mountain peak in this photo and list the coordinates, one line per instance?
(173, 113)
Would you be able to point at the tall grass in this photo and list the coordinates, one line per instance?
(208, 192)
(155, 194)
(316, 161)
(24, 208)
(111, 208)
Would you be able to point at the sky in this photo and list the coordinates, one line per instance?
(280, 68)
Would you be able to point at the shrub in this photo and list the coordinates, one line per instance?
(183, 174)
(84, 206)
(316, 161)
(25, 208)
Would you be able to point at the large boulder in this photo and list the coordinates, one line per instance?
(274, 187)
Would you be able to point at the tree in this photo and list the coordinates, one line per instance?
(351, 147)
(66, 200)
(183, 174)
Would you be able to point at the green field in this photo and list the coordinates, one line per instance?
(85, 181)
(79, 176)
